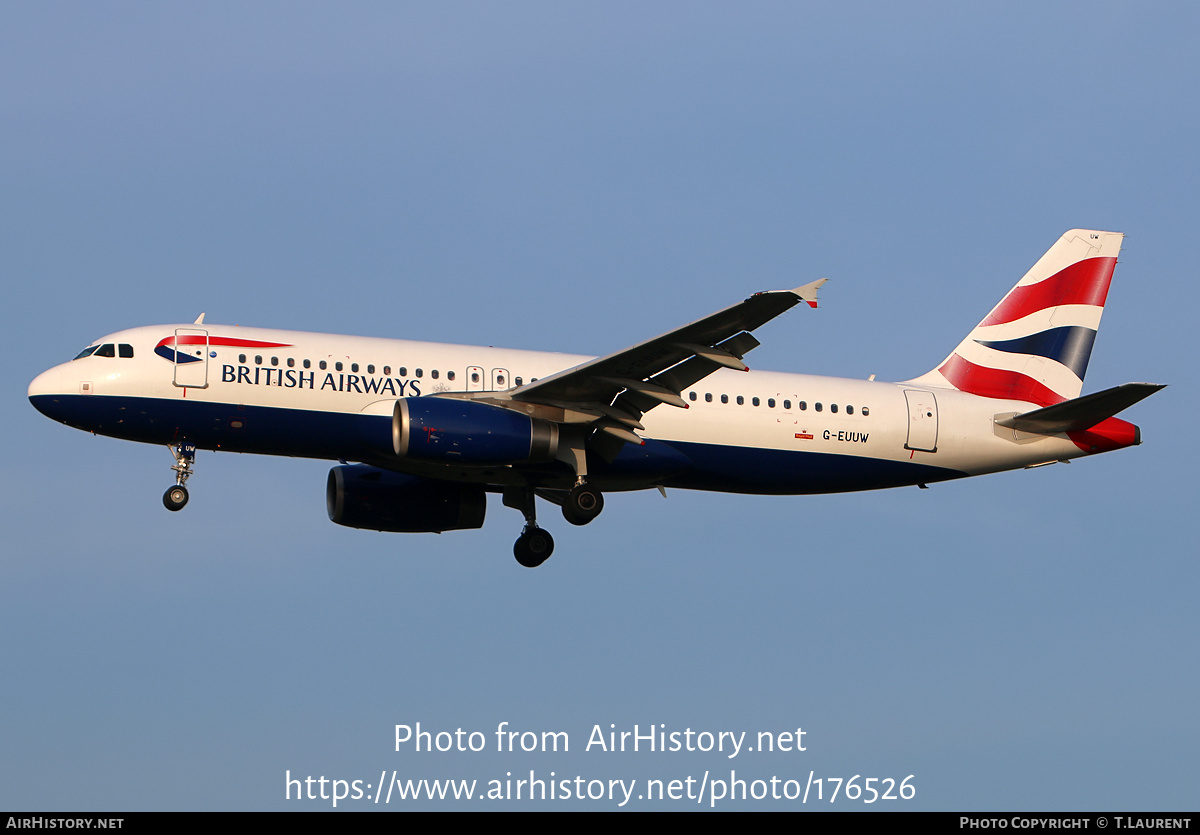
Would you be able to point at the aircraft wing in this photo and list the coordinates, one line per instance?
(621, 387)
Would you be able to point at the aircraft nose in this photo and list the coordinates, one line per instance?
(48, 382)
(44, 390)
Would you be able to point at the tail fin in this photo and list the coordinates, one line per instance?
(1035, 344)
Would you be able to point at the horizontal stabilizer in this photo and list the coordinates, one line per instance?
(1082, 412)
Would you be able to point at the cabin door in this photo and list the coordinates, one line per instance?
(191, 358)
(922, 420)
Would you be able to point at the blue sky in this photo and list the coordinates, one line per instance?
(577, 178)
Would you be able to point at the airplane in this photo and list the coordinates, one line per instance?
(433, 428)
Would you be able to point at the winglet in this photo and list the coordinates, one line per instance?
(199, 320)
(808, 293)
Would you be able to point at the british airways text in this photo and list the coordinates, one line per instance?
(291, 378)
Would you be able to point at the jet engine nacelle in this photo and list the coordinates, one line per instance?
(359, 496)
(448, 429)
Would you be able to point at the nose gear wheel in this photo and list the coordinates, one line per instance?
(175, 497)
(185, 455)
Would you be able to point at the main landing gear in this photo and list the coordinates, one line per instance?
(583, 503)
(177, 496)
(580, 505)
(535, 545)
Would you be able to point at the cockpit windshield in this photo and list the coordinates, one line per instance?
(108, 349)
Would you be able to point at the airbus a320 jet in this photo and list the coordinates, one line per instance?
(434, 428)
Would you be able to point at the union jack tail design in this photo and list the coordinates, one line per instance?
(1034, 346)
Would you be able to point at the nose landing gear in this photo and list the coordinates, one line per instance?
(177, 496)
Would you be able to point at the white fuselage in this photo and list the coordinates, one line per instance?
(292, 393)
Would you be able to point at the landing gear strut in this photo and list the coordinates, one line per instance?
(185, 454)
(535, 545)
(584, 502)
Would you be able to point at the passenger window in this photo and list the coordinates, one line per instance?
(307, 364)
(403, 372)
(387, 371)
(817, 406)
(434, 375)
(787, 405)
(274, 360)
(106, 351)
(833, 408)
(803, 406)
(258, 360)
(770, 402)
(125, 351)
(417, 372)
(474, 377)
(516, 380)
(865, 411)
(337, 366)
(354, 367)
(741, 400)
(755, 401)
(707, 397)
(291, 363)
(370, 369)
(691, 395)
(450, 376)
(849, 410)
(86, 352)
(242, 359)
(724, 398)
(322, 365)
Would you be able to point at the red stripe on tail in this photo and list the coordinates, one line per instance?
(1084, 282)
(997, 383)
